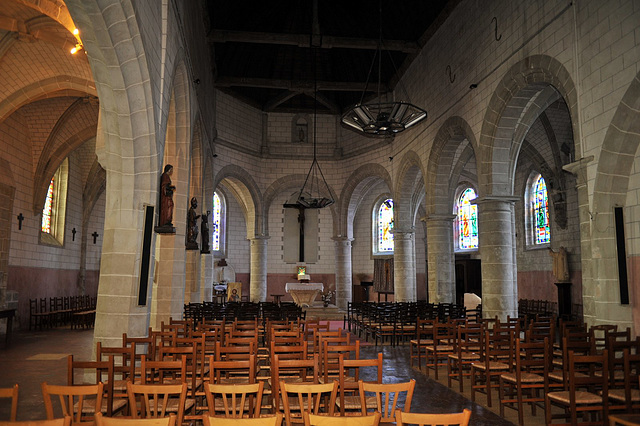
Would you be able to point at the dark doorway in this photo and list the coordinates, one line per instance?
(468, 278)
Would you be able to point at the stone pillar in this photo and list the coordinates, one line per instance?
(440, 259)
(404, 264)
(344, 275)
(192, 280)
(497, 251)
(206, 277)
(258, 285)
(169, 280)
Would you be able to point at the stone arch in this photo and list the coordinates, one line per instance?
(509, 114)
(354, 190)
(410, 181)
(443, 166)
(56, 149)
(612, 179)
(249, 197)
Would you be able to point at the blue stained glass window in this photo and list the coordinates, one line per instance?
(217, 215)
(540, 207)
(385, 225)
(467, 220)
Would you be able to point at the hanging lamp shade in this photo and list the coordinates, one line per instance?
(384, 118)
(315, 193)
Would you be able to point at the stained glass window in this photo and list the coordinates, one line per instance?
(217, 216)
(48, 208)
(467, 220)
(540, 207)
(385, 225)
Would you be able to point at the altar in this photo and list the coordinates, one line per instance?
(304, 294)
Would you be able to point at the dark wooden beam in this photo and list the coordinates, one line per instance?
(295, 85)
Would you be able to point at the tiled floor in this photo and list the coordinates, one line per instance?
(34, 357)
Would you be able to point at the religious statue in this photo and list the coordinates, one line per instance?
(165, 222)
(204, 228)
(192, 225)
(560, 264)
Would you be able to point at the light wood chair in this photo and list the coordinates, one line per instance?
(63, 421)
(234, 400)
(238, 371)
(260, 421)
(385, 398)
(312, 398)
(318, 420)
(78, 402)
(350, 398)
(13, 394)
(424, 419)
(292, 371)
(157, 400)
(120, 421)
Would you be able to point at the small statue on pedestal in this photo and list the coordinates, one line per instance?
(165, 222)
(192, 226)
(560, 264)
(204, 228)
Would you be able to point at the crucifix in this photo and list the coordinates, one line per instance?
(73, 232)
(95, 236)
(301, 218)
(20, 219)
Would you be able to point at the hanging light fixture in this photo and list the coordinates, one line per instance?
(382, 118)
(315, 193)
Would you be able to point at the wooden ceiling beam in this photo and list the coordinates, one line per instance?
(295, 85)
(304, 40)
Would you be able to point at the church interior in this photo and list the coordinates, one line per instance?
(161, 160)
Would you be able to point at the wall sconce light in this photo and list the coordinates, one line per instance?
(77, 48)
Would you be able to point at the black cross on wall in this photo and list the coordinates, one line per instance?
(95, 236)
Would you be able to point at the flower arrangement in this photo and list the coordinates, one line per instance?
(327, 296)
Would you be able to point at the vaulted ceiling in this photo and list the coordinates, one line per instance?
(273, 54)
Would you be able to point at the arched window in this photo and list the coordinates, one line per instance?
(539, 211)
(218, 225)
(384, 227)
(55, 205)
(467, 220)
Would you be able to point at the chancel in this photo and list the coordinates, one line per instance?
(435, 149)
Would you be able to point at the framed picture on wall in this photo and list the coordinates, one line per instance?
(234, 292)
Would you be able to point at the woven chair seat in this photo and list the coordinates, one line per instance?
(619, 395)
(351, 402)
(524, 378)
(465, 356)
(493, 365)
(581, 397)
(422, 342)
(440, 348)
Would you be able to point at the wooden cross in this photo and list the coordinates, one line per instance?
(20, 219)
(301, 219)
(73, 237)
(94, 235)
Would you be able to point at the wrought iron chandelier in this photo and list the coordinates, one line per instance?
(382, 118)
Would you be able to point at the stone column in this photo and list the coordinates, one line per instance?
(206, 277)
(169, 280)
(442, 282)
(192, 285)
(497, 251)
(258, 285)
(344, 275)
(404, 264)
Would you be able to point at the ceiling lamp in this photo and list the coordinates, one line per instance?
(315, 193)
(382, 118)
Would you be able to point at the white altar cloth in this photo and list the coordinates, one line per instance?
(303, 294)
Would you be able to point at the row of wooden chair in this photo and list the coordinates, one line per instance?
(60, 310)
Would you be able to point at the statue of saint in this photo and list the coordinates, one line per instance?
(192, 225)
(166, 197)
(204, 228)
(560, 264)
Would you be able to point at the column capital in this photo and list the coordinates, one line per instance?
(342, 239)
(260, 237)
(507, 199)
(438, 218)
(578, 165)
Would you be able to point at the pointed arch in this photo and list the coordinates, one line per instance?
(245, 188)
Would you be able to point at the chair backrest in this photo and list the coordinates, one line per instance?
(424, 419)
(163, 372)
(588, 372)
(232, 399)
(357, 366)
(300, 370)
(260, 421)
(330, 355)
(101, 371)
(232, 371)
(157, 400)
(312, 398)
(63, 421)
(318, 420)
(13, 394)
(120, 421)
(123, 359)
(78, 402)
(387, 397)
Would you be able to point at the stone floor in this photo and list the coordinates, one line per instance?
(34, 357)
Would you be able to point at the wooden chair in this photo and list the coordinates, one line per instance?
(586, 391)
(13, 394)
(424, 337)
(232, 371)
(527, 380)
(467, 348)
(163, 372)
(73, 401)
(120, 421)
(349, 384)
(158, 400)
(238, 401)
(318, 420)
(292, 371)
(437, 353)
(260, 421)
(496, 359)
(312, 398)
(64, 421)
(627, 399)
(385, 398)
(424, 419)
(330, 356)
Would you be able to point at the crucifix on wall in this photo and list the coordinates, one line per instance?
(300, 232)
